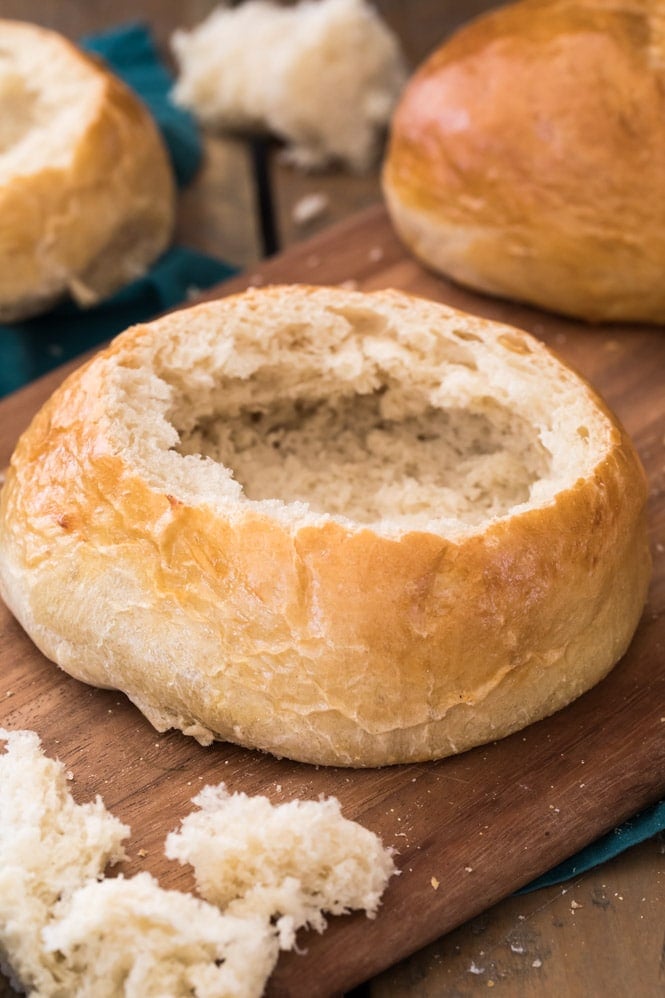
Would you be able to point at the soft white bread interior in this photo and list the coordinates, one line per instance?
(130, 937)
(322, 76)
(66, 929)
(86, 187)
(527, 158)
(50, 846)
(347, 528)
(289, 863)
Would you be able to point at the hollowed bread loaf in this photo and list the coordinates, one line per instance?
(86, 187)
(347, 528)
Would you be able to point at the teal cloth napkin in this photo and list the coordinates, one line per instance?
(643, 826)
(31, 348)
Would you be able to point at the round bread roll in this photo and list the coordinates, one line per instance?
(527, 158)
(351, 529)
(86, 188)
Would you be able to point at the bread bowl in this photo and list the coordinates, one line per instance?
(346, 528)
(527, 158)
(86, 187)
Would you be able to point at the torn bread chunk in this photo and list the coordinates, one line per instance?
(49, 847)
(289, 863)
(131, 938)
(324, 76)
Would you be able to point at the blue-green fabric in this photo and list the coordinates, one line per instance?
(31, 348)
(130, 52)
(643, 826)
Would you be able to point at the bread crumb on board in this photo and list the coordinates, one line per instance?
(309, 207)
(50, 846)
(66, 928)
(287, 862)
(324, 77)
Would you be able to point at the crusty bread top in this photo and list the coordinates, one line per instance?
(86, 187)
(527, 157)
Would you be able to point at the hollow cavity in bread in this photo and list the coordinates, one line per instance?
(348, 418)
(344, 457)
(448, 542)
(41, 123)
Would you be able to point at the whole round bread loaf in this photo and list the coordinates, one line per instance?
(86, 187)
(527, 158)
(351, 529)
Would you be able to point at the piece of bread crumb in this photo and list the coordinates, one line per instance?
(309, 207)
(49, 847)
(66, 929)
(323, 76)
(131, 938)
(291, 862)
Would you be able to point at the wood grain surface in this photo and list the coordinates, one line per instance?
(469, 830)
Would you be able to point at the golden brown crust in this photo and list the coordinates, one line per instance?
(521, 152)
(314, 639)
(94, 219)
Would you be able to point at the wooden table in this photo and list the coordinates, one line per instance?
(599, 934)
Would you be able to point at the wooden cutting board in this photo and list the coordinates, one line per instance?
(469, 830)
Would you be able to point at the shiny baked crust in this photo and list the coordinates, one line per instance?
(527, 158)
(87, 194)
(357, 640)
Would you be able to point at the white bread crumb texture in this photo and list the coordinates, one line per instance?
(263, 871)
(323, 76)
(294, 861)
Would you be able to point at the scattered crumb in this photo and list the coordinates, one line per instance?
(10, 693)
(69, 775)
(517, 948)
(474, 969)
(435, 883)
(142, 853)
(537, 963)
(575, 904)
(309, 207)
